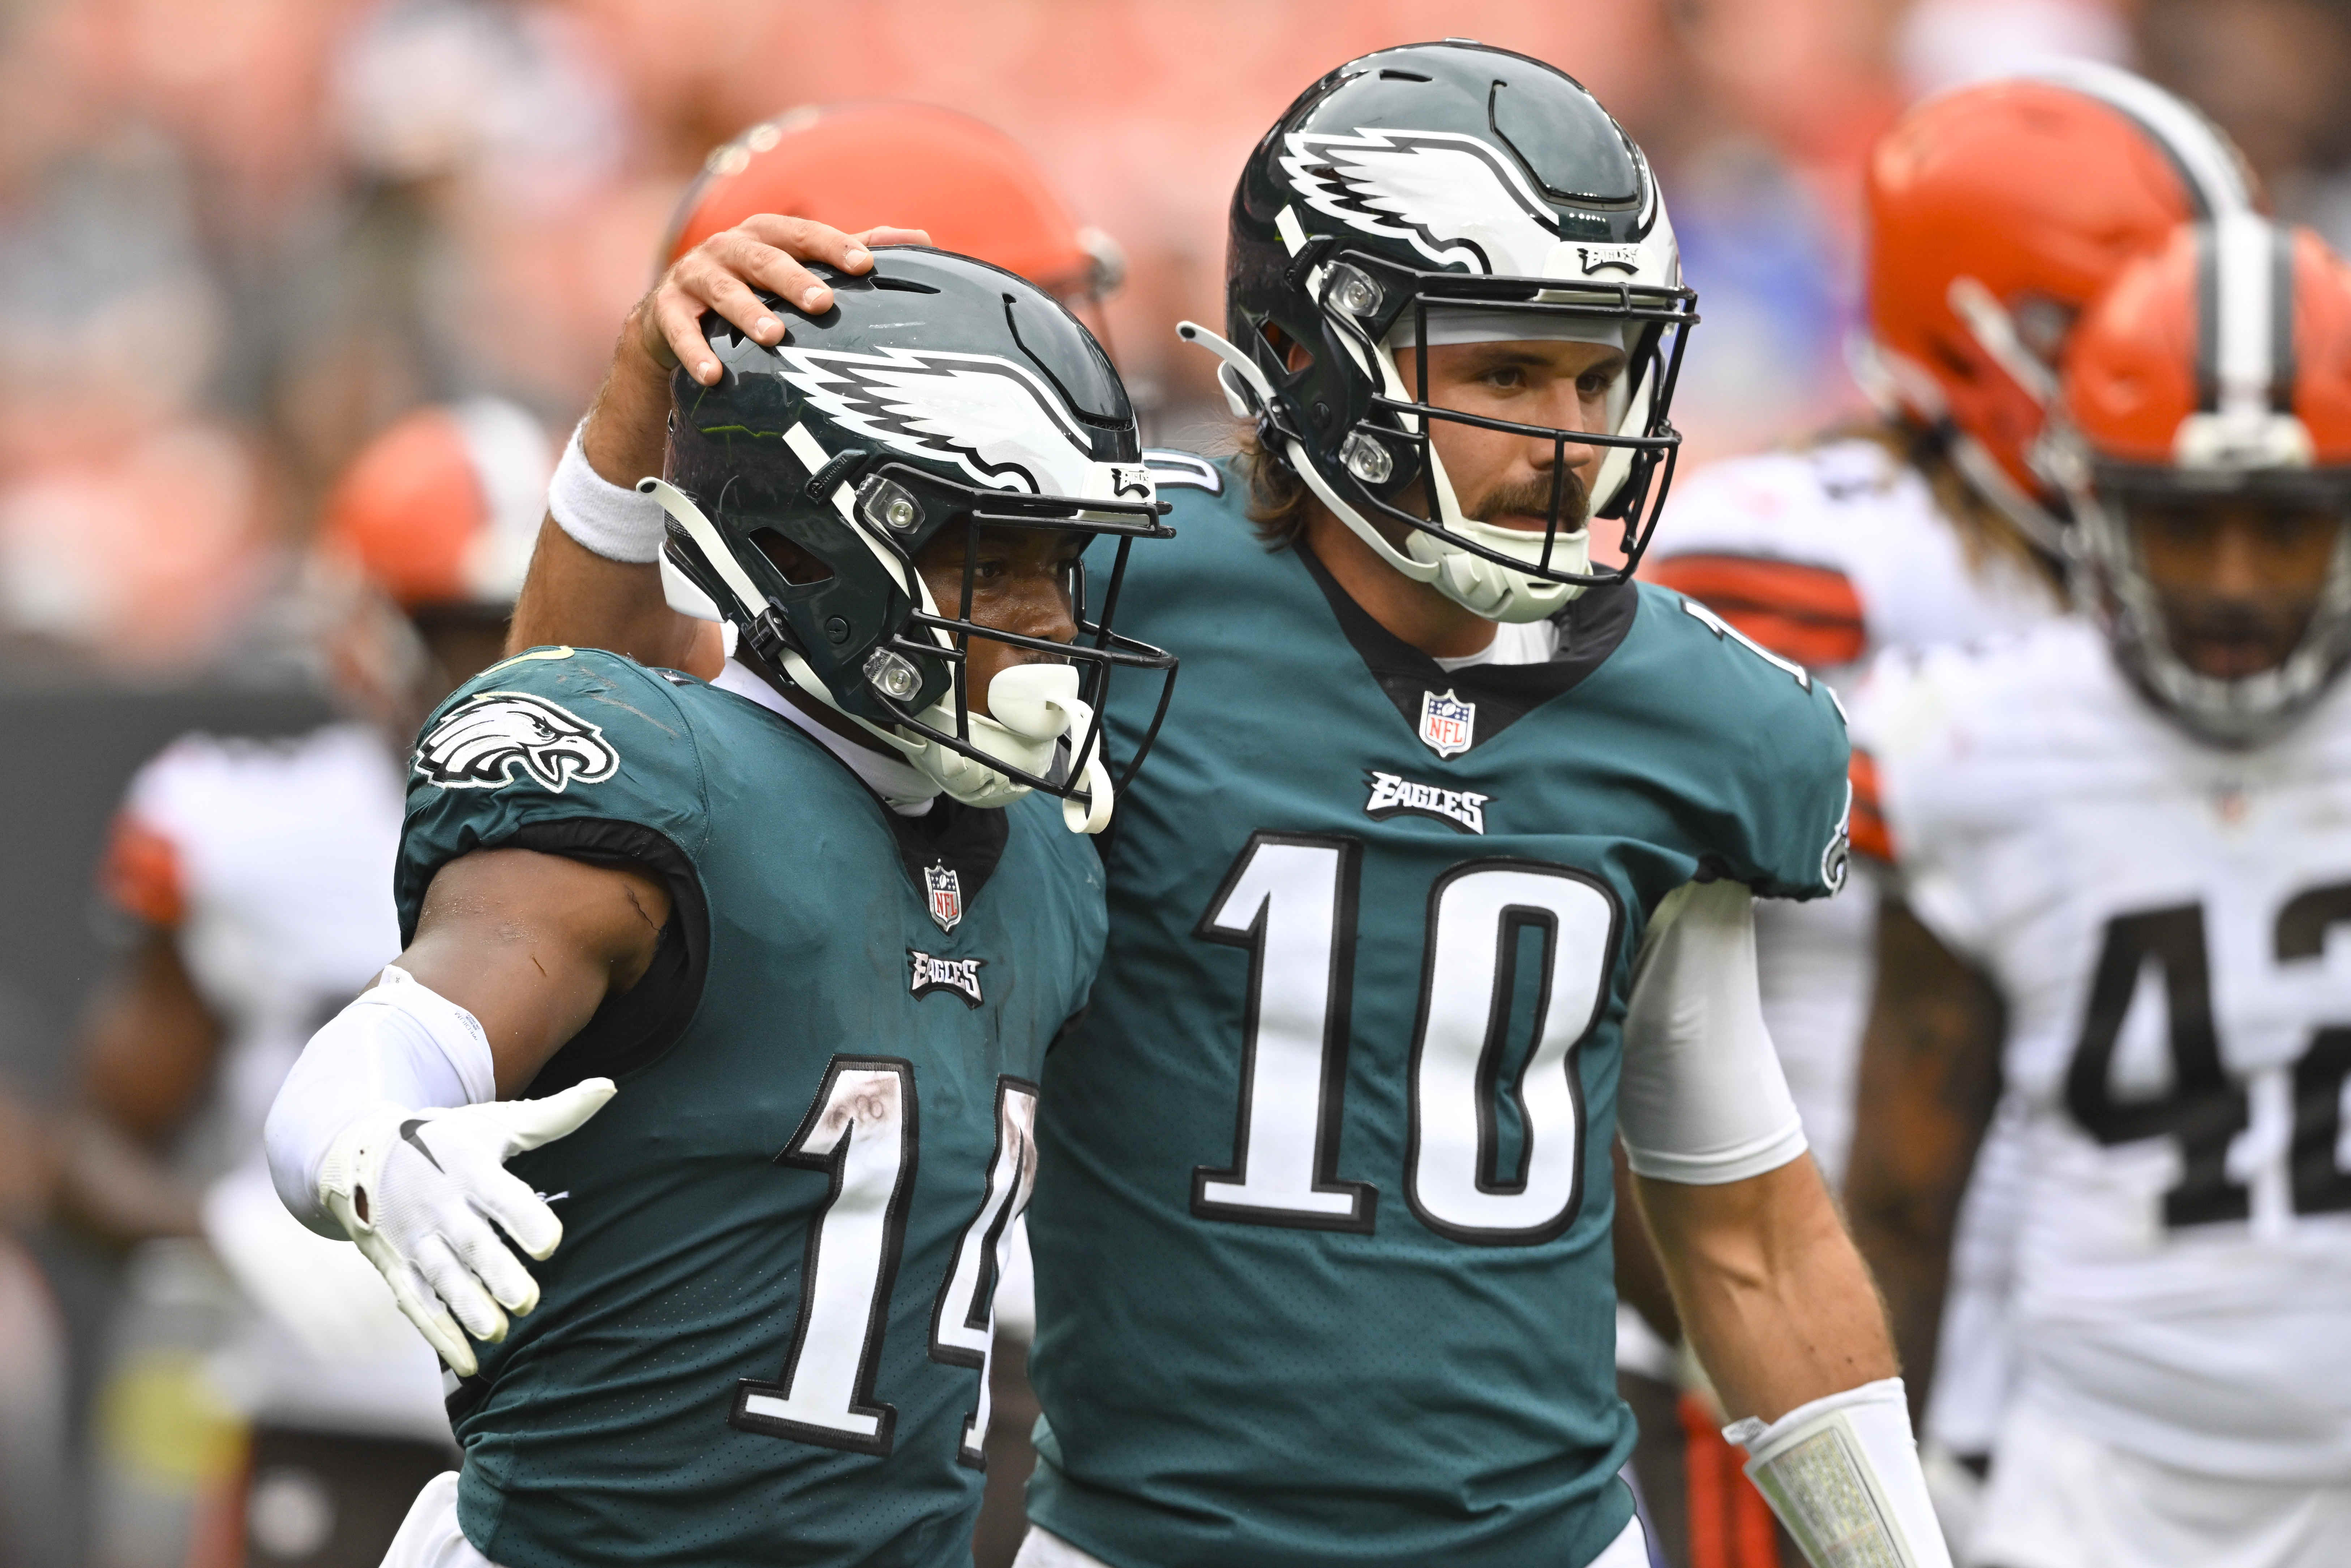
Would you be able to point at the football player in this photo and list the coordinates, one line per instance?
(817, 918)
(1322, 1233)
(2122, 864)
(977, 191)
(1994, 214)
(253, 877)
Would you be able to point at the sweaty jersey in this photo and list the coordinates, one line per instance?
(1323, 1229)
(267, 863)
(2163, 920)
(763, 1338)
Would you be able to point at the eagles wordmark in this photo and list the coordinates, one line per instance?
(492, 739)
(960, 975)
(1393, 795)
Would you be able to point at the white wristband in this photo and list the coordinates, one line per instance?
(616, 521)
(1842, 1474)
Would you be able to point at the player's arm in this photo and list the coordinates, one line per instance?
(1929, 1083)
(145, 1056)
(594, 581)
(1771, 1292)
(393, 1128)
(146, 1052)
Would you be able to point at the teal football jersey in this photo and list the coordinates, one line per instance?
(1322, 1234)
(762, 1339)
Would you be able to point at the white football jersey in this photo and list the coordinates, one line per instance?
(271, 863)
(280, 856)
(1830, 555)
(2169, 925)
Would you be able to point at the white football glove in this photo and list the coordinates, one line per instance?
(417, 1190)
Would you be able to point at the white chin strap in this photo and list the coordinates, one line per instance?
(1036, 706)
(1482, 587)
(1032, 709)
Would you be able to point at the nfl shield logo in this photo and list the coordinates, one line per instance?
(1444, 722)
(946, 895)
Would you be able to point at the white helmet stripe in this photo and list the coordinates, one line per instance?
(2208, 165)
(2241, 316)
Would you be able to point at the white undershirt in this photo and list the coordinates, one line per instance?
(1525, 643)
(908, 791)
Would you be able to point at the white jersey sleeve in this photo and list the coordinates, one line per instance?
(1827, 555)
(270, 864)
(2169, 927)
(1702, 1098)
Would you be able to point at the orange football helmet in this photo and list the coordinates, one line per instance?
(855, 165)
(2217, 369)
(1995, 213)
(441, 509)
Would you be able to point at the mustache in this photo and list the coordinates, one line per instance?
(2239, 619)
(1531, 497)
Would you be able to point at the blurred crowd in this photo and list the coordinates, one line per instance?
(240, 240)
(237, 240)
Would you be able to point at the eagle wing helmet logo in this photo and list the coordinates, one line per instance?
(995, 420)
(1458, 200)
(492, 739)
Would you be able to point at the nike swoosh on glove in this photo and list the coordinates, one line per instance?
(417, 1191)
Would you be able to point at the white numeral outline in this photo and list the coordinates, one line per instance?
(1291, 900)
(1294, 1051)
(967, 1337)
(826, 1393)
(1451, 1163)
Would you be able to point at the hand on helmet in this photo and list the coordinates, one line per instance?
(418, 1191)
(724, 272)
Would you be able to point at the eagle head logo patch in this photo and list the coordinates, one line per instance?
(492, 739)
(1836, 860)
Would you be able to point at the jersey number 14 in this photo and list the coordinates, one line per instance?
(864, 1132)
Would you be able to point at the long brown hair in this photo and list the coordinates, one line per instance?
(1278, 497)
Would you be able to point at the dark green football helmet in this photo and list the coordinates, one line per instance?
(1444, 194)
(936, 392)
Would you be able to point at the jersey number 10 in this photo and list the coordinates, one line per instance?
(1290, 901)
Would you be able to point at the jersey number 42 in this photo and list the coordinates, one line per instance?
(2205, 1108)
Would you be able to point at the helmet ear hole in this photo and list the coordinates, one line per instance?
(799, 567)
(1296, 358)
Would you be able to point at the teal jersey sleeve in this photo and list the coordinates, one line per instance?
(572, 752)
(1772, 735)
(588, 755)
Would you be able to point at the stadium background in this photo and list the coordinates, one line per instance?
(238, 238)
